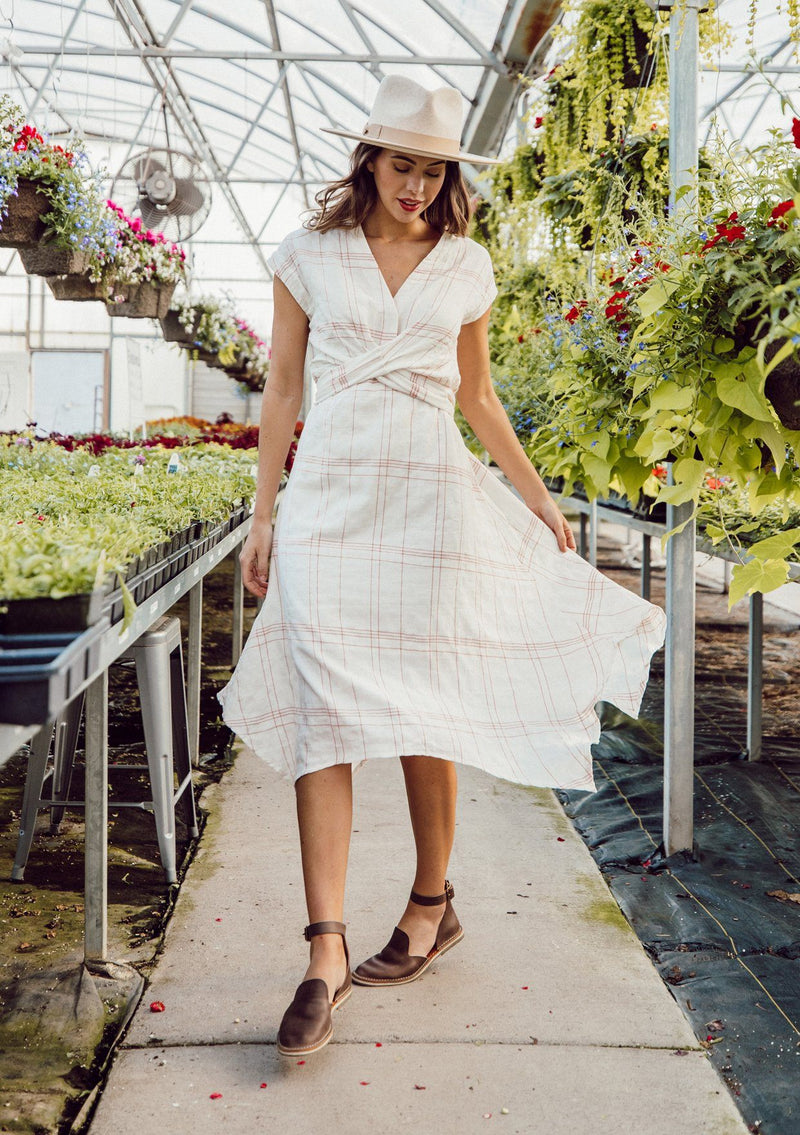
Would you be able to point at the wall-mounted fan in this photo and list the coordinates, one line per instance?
(167, 189)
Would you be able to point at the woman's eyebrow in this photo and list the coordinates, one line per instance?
(413, 161)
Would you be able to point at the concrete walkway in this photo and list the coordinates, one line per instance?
(547, 1018)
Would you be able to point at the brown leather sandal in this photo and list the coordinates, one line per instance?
(394, 965)
(306, 1026)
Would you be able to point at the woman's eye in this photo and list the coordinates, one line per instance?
(399, 170)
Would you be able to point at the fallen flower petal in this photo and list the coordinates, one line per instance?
(157, 1006)
(364, 1083)
(301, 1061)
(262, 1085)
(420, 1087)
(215, 1096)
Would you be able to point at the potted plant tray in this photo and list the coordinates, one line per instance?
(41, 614)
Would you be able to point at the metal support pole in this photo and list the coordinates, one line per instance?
(593, 534)
(679, 659)
(582, 535)
(645, 587)
(679, 681)
(95, 945)
(193, 669)
(238, 609)
(755, 676)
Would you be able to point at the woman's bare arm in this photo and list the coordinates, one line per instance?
(489, 422)
(282, 399)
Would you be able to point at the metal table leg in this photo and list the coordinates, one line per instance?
(193, 669)
(95, 946)
(755, 676)
(238, 609)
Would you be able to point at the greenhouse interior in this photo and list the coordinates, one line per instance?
(576, 585)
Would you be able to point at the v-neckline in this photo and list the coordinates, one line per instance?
(414, 270)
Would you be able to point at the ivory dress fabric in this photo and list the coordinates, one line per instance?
(414, 603)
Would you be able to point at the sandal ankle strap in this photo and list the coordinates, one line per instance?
(316, 928)
(434, 900)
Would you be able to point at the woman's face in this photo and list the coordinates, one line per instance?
(406, 184)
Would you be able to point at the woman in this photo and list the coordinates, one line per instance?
(416, 607)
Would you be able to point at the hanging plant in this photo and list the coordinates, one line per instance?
(50, 201)
(690, 352)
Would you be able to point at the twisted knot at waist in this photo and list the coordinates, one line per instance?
(391, 362)
(415, 385)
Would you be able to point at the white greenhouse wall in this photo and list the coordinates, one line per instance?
(148, 377)
(213, 393)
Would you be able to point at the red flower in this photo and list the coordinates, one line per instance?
(796, 132)
(157, 1006)
(779, 212)
(724, 232)
(714, 482)
(615, 308)
(537, 122)
(575, 311)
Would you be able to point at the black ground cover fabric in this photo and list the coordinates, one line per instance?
(728, 949)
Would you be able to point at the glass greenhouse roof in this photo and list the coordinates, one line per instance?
(244, 88)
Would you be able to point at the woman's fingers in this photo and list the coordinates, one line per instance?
(254, 559)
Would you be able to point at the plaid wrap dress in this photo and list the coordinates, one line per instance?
(415, 605)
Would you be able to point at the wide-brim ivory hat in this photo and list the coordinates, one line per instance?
(407, 116)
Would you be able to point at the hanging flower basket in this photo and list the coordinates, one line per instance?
(23, 225)
(50, 260)
(79, 288)
(210, 358)
(175, 332)
(143, 301)
(641, 69)
(782, 387)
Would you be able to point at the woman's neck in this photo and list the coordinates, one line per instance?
(381, 225)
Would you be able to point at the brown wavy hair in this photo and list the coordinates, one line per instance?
(347, 202)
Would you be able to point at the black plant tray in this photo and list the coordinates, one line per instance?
(40, 673)
(42, 615)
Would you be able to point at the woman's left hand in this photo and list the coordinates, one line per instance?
(548, 511)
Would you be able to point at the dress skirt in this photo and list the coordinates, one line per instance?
(415, 605)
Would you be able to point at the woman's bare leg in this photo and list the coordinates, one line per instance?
(325, 818)
(431, 786)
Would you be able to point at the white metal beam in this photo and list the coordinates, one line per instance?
(287, 98)
(166, 39)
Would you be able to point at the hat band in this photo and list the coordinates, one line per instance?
(409, 139)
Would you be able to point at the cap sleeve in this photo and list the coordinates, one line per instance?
(286, 263)
(483, 288)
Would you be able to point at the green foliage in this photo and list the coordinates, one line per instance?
(669, 360)
(68, 518)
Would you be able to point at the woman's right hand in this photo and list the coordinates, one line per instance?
(254, 557)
